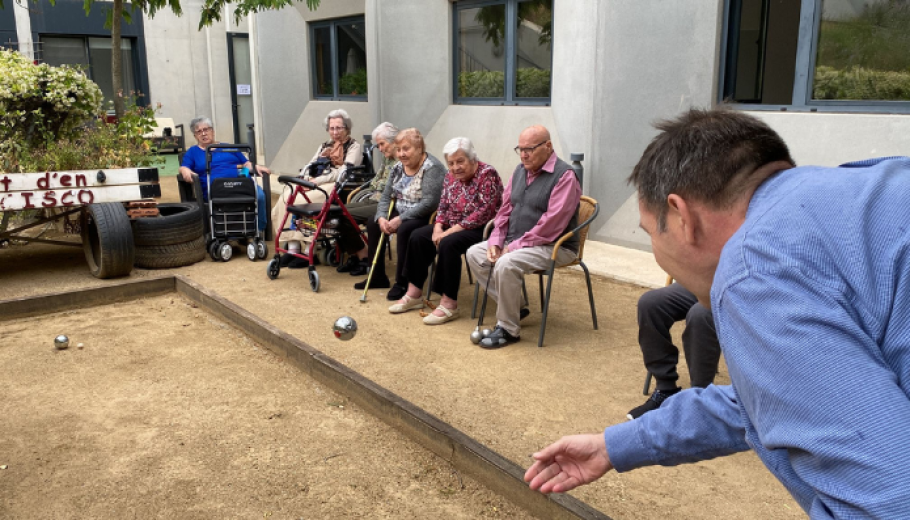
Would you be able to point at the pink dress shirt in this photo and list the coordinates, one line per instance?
(552, 224)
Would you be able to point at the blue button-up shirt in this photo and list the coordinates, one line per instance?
(811, 300)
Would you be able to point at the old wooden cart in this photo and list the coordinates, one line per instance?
(90, 203)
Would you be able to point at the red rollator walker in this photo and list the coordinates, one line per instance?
(321, 221)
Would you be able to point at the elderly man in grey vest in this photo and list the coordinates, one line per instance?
(539, 205)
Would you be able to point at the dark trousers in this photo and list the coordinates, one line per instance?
(349, 236)
(658, 310)
(422, 251)
(403, 238)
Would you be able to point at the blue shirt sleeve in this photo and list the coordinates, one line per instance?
(693, 425)
(829, 416)
(191, 160)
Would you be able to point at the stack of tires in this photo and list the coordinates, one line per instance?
(175, 238)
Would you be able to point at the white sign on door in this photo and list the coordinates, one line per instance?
(244, 90)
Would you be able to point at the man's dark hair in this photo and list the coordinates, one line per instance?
(705, 155)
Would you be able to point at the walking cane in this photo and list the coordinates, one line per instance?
(363, 298)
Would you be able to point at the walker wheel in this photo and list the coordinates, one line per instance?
(251, 251)
(213, 251)
(314, 280)
(225, 251)
(273, 269)
(332, 257)
(262, 251)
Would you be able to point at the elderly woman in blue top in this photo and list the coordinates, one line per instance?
(224, 164)
(415, 183)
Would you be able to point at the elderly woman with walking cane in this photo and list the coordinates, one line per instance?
(415, 184)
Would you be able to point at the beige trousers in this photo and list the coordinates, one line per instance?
(508, 274)
(316, 197)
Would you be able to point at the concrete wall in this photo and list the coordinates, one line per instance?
(654, 59)
(188, 69)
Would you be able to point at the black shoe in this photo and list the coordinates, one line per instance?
(375, 283)
(286, 259)
(397, 293)
(524, 313)
(352, 263)
(653, 403)
(498, 339)
(298, 263)
(362, 268)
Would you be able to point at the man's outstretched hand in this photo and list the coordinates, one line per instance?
(568, 463)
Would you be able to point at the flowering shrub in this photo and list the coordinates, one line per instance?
(40, 102)
(51, 118)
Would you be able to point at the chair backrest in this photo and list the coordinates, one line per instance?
(587, 210)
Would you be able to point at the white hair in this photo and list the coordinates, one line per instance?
(385, 131)
(335, 114)
(460, 143)
(200, 121)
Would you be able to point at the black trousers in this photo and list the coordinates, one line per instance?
(422, 251)
(348, 236)
(403, 238)
(658, 310)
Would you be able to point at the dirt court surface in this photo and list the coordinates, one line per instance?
(167, 412)
(515, 400)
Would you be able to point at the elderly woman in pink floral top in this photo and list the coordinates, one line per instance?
(471, 196)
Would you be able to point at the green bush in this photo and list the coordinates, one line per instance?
(353, 84)
(490, 83)
(51, 118)
(40, 103)
(861, 84)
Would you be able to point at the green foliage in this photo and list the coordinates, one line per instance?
(40, 103)
(353, 84)
(490, 83)
(861, 84)
(51, 118)
(531, 83)
(211, 9)
(876, 39)
(493, 20)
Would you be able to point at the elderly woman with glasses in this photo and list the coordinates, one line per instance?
(323, 170)
(471, 195)
(224, 164)
(415, 184)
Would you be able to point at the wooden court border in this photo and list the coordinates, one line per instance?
(463, 452)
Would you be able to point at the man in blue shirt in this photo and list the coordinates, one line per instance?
(224, 164)
(807, 272)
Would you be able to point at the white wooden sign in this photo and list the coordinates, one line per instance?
(76, 187)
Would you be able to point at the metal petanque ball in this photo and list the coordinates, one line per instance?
(476, 337)
(61, 342)
(486, 333)
(345, 328)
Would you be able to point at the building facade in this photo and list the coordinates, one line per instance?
(831, 76)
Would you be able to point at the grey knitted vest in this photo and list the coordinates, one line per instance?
(529, 203)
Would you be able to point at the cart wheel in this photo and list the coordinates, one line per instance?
(273, 269)
(314, 280)
(225, 251)
(213, 251)
(251, 251)
(262, 251)
(333, 257)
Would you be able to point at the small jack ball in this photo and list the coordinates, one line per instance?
(345, 328)
(61, 342)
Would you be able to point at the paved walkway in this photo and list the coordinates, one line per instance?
(623, 264)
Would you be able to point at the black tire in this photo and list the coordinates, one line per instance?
(173, 255)
(314, 280)
(107, 240)
(273, 269)
(333, 256)
(178, 223)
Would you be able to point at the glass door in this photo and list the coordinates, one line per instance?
(241, 85)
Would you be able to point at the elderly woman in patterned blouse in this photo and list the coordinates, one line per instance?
(471, 196)
(415, 184)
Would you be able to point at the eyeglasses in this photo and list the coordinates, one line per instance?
(337, 129)
(203, 131)
(519, 150)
